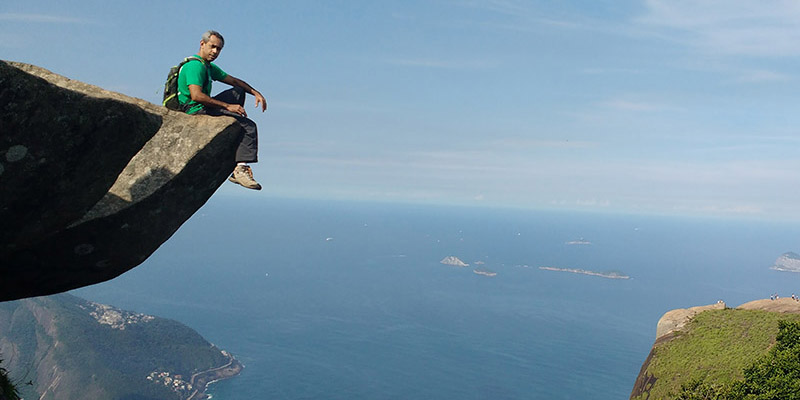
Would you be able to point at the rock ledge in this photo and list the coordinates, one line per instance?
(92, 181)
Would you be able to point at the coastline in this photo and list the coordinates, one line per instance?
(201, 380)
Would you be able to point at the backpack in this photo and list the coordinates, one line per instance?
(171, 86)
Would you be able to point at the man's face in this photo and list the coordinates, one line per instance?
(210, 50)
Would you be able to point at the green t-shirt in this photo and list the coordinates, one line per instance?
(200, 73)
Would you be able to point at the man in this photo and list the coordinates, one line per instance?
(194, 95)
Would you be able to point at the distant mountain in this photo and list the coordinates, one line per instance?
(787, 262)
(62, 347)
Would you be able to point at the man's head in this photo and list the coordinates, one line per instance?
(211, 45)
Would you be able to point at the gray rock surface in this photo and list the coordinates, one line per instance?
(781, 305)
(675, 320)
(92, 181)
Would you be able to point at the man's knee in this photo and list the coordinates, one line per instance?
(249, 125)
(238, 95)
(234, 95)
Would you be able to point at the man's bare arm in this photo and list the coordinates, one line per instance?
(260, 100)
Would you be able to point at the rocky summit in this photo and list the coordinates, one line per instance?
(92, 181)
(711, 346)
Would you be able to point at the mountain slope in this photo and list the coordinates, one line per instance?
(70, 348)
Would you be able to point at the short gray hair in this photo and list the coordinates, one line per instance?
(207, 36)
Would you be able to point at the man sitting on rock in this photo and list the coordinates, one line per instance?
(194, 95)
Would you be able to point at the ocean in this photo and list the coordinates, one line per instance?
(349, 300)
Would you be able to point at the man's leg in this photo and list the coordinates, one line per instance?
(234, 95)
(246, 153)
(248, 146)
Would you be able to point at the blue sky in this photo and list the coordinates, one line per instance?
(656, 106)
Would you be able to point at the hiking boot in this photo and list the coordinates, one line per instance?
(243, 175)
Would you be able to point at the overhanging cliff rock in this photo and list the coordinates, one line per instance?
(92, 182)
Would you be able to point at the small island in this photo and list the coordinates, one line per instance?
(454, 261)
(789, 262)
(609, 275)
(579, 242)
(484, 272)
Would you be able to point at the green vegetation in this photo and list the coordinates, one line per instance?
(94, 360)
(775, 376)
(729, 354)
(7, 389)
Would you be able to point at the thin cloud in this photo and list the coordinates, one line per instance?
(633, 105)
(520, 10)
(762, 76)
(734, 174)
(736, 74)
(717, 209)
(42, 18)
(529, 144)
(606, 71)
(441, 64)
(326, 106)
(736, 27)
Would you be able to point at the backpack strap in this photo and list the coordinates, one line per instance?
(188, 59)
(187, 106)
(208, 66)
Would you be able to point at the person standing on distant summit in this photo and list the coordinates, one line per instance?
(194, 95)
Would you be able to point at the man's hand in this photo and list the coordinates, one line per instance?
(197, 95)
(236, 109)
(260, 100)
